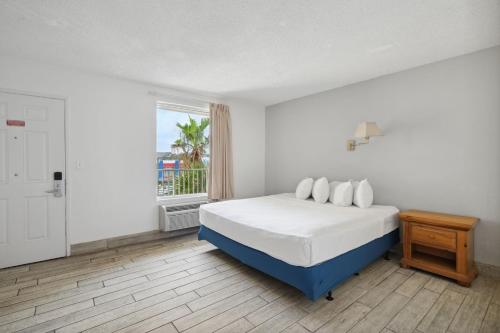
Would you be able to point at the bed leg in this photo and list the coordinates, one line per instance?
(357, 273)
(329, 296)
(386, 256)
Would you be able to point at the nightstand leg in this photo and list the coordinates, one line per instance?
(464, 284)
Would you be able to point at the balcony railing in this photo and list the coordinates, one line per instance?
(181, 181)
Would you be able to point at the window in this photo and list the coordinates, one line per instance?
(182, 150)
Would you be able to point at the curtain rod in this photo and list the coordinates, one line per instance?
(182, 96)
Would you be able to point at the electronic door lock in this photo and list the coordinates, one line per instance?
(58, 189)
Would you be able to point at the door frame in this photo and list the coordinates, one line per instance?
(67, 178)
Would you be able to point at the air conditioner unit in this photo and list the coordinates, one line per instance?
(180, 216)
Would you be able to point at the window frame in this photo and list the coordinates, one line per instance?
(196, 108)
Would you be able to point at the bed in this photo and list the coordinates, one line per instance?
(312, 247)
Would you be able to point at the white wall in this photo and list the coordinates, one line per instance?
(249, 145)
(112, 131)
(440, 152)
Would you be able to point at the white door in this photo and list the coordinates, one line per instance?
(32, 148)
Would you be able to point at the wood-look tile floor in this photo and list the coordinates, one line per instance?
(182, 285)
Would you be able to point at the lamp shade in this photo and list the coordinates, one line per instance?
(367, 129)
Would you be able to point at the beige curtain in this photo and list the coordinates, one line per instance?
(220, 169)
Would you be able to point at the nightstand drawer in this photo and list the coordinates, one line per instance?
(434, 237)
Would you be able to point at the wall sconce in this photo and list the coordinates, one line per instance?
(364, 132)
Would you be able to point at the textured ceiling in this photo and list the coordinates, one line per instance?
(262, 50)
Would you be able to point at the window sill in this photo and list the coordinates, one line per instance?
(182, 198)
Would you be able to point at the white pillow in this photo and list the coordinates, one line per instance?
(363, 194)
(343, 194)
(321, 190)
(304, 188)
(333, 186)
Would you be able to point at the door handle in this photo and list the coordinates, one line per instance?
(56, 192)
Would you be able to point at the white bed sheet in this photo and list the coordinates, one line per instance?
(298, 232)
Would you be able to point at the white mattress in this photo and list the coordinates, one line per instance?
(298, 232)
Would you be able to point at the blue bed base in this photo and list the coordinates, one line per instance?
(313, 281)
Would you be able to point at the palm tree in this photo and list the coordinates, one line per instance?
(193, 142)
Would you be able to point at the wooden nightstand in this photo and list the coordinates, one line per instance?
(439, 243)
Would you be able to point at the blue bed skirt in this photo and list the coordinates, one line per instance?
(313, 281)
